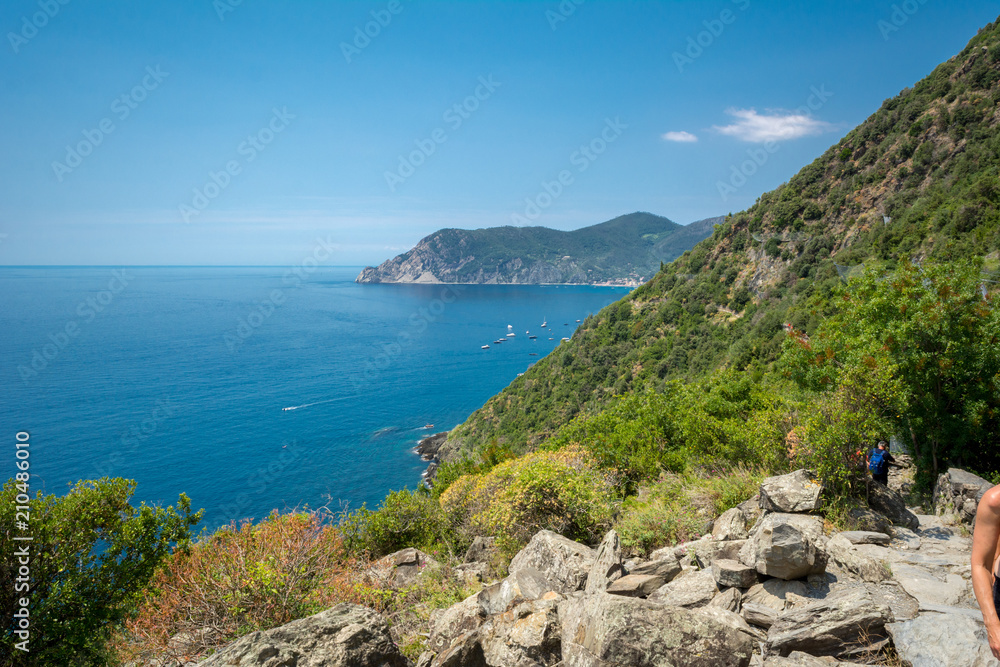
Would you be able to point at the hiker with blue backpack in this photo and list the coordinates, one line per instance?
(878, 462)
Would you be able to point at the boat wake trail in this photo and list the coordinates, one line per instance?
(309, 405)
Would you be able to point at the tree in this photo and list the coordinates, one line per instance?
(91, 554)
(937, 331)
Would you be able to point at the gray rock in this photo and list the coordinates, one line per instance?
(733, 573)
(565, 563)
(694, 588)
(403, 568)
(472, 573)
(636, 585)
(343, 636)
(609, 631)
(862, 518)
(958, 491)
(481, 550)
(786, 546)
(700, 553)
(607, 565)
(842, 552)
(943, 640)
(730, 599)
(889, 503)
(426, 659)
(759, 615)
(906, 538)
(866, 537)
(840, 624)
(800, 659)
(731, 525)
(931, 587)
(446, 625)
(797, 491)
(774, 593)
(465, 652)
(525, 636)
(667, 567)
(520, 586)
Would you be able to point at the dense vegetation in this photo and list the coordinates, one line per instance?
(90, 555)
(629, 248)
(919, 179)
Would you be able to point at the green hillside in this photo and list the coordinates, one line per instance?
(918, 180)
(627, 249)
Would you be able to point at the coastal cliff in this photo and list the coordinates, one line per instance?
(625, 251)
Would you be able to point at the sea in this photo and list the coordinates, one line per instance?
(253, 389)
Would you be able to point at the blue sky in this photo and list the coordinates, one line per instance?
(239, 132)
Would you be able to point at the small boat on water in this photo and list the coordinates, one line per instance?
(565, 338)
(428, 425)
(533, 354)
(532, 337)
(545, 323)
(578, 320)
(511, 335)
(485, 347)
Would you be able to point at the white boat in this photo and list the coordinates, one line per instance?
(509, 327)
(485, 347)
(511, 335)
(545, 323)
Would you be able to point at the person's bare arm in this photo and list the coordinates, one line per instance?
(984, 546)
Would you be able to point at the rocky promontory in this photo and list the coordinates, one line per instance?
(625, 251)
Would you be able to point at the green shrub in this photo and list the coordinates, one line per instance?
(92, 553)
(404, 519)
(553, 490)
(679, 508)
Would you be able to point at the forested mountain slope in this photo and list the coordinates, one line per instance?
(626, 250)
(918, 179)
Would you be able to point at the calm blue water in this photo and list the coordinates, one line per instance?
(177, 377)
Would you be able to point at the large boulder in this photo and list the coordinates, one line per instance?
(700, 553)
(694, 588)
(731, 525)
(786, 546)
(565, 563)
(732, 573)
(520, 586)
(943, 640)
(344, 636)
(446, 625)
(843, 623)
(402, 568)
(842, 552)
(959, 492)
(608, 631)
(636, 585)
(889, 503)
(525, 636)
(797, 491)
(607, 566)
(862, 518)
(667, 567)
(775, 594)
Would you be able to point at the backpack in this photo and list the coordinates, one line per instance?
(877, 463)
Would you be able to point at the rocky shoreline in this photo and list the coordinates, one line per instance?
(428, 449)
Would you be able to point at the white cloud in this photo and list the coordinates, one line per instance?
(681, 137)
(771, 126)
